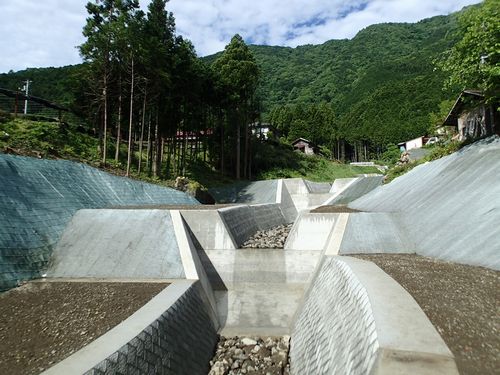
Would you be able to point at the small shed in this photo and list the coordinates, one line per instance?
(305, 146)
(470, 117)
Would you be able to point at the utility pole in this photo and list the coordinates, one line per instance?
(26, 89)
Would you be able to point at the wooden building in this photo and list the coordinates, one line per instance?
(470, 117)
(305, 146)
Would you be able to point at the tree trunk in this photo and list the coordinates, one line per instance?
(148, 150)
(129, 151)
(119, 125)
(238, 151)
(105, 127)
(156, 148)
(141, 139)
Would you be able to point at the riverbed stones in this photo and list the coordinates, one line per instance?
(251, 356)
(273, 238)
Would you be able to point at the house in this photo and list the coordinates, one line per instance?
(412, 143)
(470, 117)
(263, 130)
(305, 146)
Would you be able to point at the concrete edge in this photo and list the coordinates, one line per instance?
(279, 191)
(193, 267)
(104, 346)
(408, 341)
(286, 245)
(335, 195)
(337, 234)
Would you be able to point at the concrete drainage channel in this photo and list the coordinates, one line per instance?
(338, 311)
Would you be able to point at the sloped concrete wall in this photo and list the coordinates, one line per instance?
(335, 332)
(450, 208)
(356, 189)
(118, 244)
(39, 197)
(171, 334)
(310, 231)
(256, 192)
(358, 320)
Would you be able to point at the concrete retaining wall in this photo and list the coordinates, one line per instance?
(208, 230)
(118, 244)
(450, 207)
(171, 334)
(356, 189)
(39, 197)
(357, 320)
(256, 192)
(267, 215)
(310, 232)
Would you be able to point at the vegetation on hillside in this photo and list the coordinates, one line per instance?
(354, 98)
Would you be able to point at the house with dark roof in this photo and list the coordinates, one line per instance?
(471, 117)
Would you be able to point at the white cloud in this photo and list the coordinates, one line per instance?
(38, 33)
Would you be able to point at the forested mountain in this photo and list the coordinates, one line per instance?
(349, 95)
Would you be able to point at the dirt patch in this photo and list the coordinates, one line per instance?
(463, 303)
(42, 323)
(333, 209)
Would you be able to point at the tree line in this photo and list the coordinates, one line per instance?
(144, 86)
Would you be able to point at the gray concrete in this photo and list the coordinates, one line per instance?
(171, 334)
(255, 192)
(118, 244)
(207, 229)
(240, 222)
(38, 197)
(318, 187)
(357, 320)
(286, 202)
(310, 231)
(340, 184)
(450, 208)
(375, 232)
(258, 291)
(356, 189)
(267, 216)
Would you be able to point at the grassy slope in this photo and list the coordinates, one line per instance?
(48, 140)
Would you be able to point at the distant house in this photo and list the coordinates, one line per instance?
(305, 146)
(470, 117)
(263, 130)
(412, 143)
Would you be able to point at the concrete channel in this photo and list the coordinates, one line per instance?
(344, 315)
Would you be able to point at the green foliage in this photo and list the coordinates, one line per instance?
(437, 151)
(391, 155)
(474, 62)
(50, 139)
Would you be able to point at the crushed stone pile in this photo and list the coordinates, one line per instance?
(273, 238)
(251, 356)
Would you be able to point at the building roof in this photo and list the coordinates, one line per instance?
(458, 107)
(301, 139)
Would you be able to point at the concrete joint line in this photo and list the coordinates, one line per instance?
(183, 244)
(279, 191)
(340, 192)
(333, 247)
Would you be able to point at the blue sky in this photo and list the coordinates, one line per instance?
(36, 33)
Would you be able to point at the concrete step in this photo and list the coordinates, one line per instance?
(258, 308)
(225, 268)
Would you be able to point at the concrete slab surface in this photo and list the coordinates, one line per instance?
(118, 244)
(310, 232)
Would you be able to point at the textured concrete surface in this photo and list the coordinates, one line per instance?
(310, 231)
(357, 320)
(118, 244)
(318, 187)
(172, 334)
(247, 192)
(240, 222)
(267, 216)
(286, 202)
(375, 232)
(335, 332)
(450, 208)
(340, 184)
(39, 197)
(356, 189)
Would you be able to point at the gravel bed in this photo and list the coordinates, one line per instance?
(42, 323)
(273, 238)
(463, 303)
(251, 356)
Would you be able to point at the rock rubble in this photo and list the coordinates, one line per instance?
(273, 238)
(251, 356)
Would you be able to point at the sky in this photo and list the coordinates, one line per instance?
(42, 33)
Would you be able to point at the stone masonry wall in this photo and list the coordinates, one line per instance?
(180, 342)
(335, 332)
(39, 197)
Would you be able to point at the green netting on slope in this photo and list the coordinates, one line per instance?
(38, 198)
